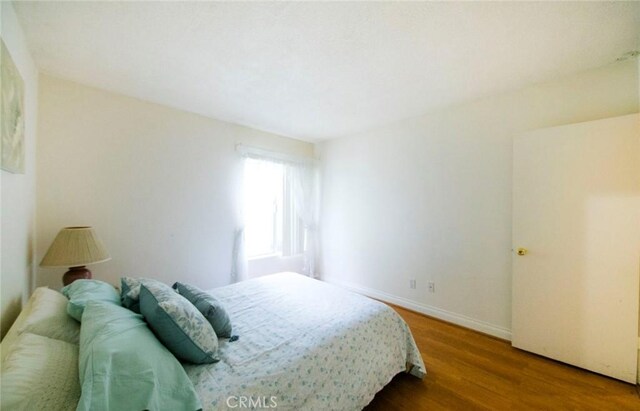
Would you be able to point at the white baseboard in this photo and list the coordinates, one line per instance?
(435, 312)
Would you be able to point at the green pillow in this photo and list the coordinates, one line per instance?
(80, 292)
(177, 323)
(123, 366)
(211, 308)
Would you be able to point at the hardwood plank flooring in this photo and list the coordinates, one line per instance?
(468, 370)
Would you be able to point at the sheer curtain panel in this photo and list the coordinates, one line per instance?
(300, 184)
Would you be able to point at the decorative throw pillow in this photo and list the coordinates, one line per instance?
(130, 293)
(123, 366)
(80, 292)
(211, 308)
(40, 373)
(178, 324)
(48, 317)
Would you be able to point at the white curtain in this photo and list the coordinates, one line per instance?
(239, 264)
(304, 181)
(303, 174)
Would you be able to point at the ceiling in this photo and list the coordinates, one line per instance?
(313, 71)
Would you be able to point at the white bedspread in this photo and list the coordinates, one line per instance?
(304, 345)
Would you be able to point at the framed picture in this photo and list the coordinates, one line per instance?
(11, 114)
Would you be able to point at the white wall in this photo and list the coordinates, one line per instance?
(17, 213)
(158, 184)
(430, 197)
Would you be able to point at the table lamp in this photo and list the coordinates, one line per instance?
(75, 247)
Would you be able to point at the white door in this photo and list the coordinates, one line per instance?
(576, 210)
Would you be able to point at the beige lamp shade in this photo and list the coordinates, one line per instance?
(74, 247)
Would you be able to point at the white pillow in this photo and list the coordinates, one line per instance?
(10, 337)
(48, 317)
(40, 373)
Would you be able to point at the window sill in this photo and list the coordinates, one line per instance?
(275, 255)
(263, 257)
(275, 263)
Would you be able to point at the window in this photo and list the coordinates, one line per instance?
(272, 226)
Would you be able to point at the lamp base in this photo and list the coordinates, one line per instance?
(76, 273)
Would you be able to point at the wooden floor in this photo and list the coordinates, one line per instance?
(467, 370)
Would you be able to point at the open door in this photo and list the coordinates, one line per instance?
(576, 243)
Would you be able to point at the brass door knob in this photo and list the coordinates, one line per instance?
(522, 251)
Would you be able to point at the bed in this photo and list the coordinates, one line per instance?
(303, 345)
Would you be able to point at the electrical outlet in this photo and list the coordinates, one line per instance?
(412, 284)
(432, 287)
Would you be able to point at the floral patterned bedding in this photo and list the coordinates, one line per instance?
(303, 345)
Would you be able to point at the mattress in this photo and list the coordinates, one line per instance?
(304, 345)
